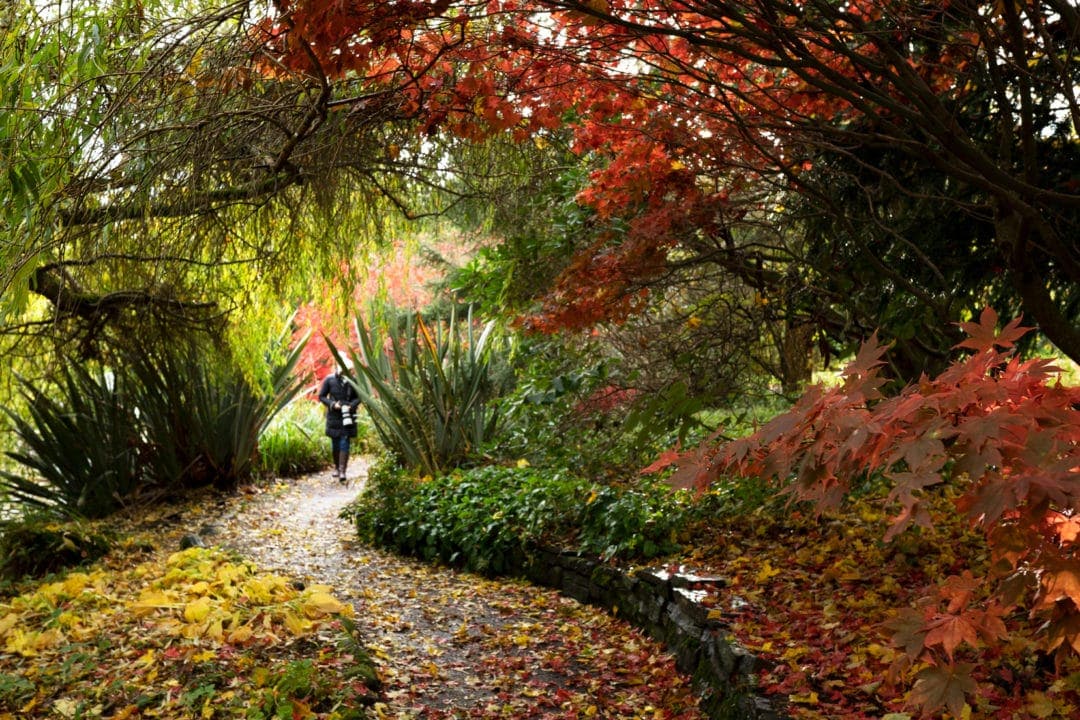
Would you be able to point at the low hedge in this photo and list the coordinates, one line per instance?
(484, 518)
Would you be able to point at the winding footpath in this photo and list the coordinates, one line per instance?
(451, 644)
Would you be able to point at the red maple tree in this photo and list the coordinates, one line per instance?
(1001, 433)
(691, 104)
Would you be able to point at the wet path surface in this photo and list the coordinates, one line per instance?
(452, 644)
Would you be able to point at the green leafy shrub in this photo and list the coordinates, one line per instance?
(293, 443)
(35, 547)
(429, 391)
(80, 443)
(570, 410)
(637, 521)
(388, 490)
(487, 518)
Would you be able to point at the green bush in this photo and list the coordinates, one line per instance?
(485, 519)
(428, 390)
(637, 521)
(294, 442)
(570, 410)
(388, 490)
(80, 443)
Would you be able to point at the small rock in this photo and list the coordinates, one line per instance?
(191, 540)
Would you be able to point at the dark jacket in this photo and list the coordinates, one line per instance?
(335, 388)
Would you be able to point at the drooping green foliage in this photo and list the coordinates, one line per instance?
(80, 443)
(428, 388)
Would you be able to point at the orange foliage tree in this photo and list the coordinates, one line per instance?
(399, 275)
(706, 111)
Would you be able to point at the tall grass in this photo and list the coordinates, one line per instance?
(293, 443)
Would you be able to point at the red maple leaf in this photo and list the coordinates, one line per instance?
(984, 336)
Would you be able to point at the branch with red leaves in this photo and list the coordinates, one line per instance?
(999, 432)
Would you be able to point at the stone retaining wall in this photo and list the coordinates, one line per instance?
(673, 609)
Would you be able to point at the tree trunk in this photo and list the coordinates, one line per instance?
(1013, 233)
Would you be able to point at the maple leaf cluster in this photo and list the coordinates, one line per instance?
(527, 69)
(992, 427)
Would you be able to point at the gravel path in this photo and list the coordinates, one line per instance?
(452, 644)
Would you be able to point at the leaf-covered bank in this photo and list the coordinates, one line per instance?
(445, 644)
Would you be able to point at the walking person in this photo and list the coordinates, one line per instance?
(341, 401)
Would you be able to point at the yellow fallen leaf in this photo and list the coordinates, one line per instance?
(66, 707)
(21, 643)
(321, 603)
(1040, 705)
(75, 583)
(295, 624)
(260, 676)
(810, 698)
(197, 610)
(7, 622)
(258, 589)
(240, 635)
(213, 629)
(766, 573)
(151, 600)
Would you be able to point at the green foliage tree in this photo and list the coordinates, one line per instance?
(162, 184)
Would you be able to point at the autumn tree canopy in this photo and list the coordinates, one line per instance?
(848, 166)
(712, 115)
